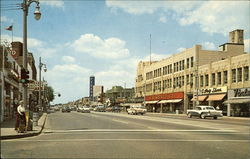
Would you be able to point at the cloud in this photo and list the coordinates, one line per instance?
(68, 59)
(208, 45)
(111, 48)
(6, 19)
(163, 19)
(32, 43)
(181, 49)
(53, 3)
(68, 79)
(247, 45)
(212, 16)
(218, 16)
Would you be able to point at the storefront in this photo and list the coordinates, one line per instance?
(167, 102)
(238, 103)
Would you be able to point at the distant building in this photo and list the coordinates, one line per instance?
(98, 93)
(91, 84)
(118, 95)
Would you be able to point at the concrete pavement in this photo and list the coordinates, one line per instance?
(8, 132)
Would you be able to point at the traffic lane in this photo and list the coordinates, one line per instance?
(224, 120)
(84, 121)
(159, 122)
(124, 148)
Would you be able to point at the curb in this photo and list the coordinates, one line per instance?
(24, 135)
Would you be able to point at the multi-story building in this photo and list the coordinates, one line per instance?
(174, 82)
(91, 84)
(98, 93)
(118, 95)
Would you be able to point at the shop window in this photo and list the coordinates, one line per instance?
(233, 75)
(219, 78)
(239, 75)
(246, 73)
(206, 80)
(225, 77)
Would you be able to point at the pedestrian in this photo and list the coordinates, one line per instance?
(17, 117)
(218, 107)
(22, 118)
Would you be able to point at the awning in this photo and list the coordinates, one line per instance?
(200, 98)
(151, 102)
(170, 101)
(216, 97)
(237, 101)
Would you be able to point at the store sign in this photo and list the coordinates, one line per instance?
(213, 90)
(241, 92)
(166, 96)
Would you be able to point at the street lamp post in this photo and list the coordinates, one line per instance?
(40, 77)
(25, 7)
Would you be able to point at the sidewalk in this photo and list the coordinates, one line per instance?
(8, 132)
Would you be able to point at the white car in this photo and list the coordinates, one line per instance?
(204, 111)
(138, 109)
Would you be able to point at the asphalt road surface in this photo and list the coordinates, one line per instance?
(121, 136)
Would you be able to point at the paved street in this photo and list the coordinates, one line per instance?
(119, 136)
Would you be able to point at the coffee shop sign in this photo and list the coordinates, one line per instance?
(213, 90)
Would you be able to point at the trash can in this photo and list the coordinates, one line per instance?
(177, 111)
(35, 118)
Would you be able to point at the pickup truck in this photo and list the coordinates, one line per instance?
(203, 111)
(138, 109)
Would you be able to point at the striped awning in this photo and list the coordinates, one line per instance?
(171, 101)
(216, 97)
(200, 98)
(151, 102)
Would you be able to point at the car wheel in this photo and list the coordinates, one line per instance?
(203, 116)
(215, 117)
(189, 115)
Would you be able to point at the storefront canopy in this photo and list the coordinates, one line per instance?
(216, 97)
(171, 101)
(151, 102)
(237, 101)
(200, 98)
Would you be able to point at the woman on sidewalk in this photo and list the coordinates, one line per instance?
(22, 118)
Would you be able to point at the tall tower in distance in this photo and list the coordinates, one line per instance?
(91, 84)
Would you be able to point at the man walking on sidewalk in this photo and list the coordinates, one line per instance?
(22, 118)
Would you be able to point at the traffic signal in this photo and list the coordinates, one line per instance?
(24, 76)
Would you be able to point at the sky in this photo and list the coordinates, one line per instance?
(107, 39)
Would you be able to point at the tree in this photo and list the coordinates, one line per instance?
(49, 93)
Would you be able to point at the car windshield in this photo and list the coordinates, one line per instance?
(210, 108)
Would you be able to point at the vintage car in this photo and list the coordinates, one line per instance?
(204, 111)
(137, 109)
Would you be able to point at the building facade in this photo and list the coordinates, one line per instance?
(172, 84)
(118, 95)
(98, 93)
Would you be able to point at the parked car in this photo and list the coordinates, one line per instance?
(100, 108)
(116, 109)
(137, 109)
(85, 109)
(109, 109)
(204, 111)
(66, 109)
